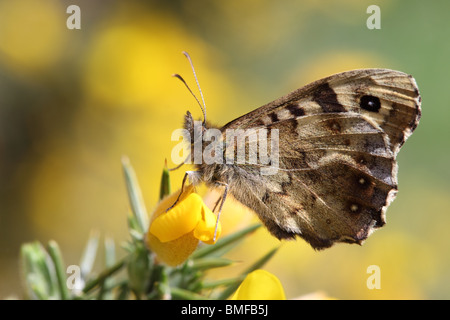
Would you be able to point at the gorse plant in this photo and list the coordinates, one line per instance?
(166, 257)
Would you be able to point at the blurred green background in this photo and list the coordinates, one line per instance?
(72, 102)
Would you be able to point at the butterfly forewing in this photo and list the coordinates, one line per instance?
(388, 97)
(338, 138)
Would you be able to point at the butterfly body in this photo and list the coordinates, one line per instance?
(336, 171)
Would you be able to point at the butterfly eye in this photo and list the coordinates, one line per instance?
(370, 103)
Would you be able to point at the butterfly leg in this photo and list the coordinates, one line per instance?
(217, 203)
(186, 175)
(221, 200)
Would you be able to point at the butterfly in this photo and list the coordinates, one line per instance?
(337, 142)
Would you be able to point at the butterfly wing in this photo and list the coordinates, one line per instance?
(388, 97)
(338, 138)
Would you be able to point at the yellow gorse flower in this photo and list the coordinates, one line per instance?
(260, 285)
(175, 234)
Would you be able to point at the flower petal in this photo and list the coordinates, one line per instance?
(173, 252)
(204, 231)
(179, 220)
(170, 200)
(260, 285)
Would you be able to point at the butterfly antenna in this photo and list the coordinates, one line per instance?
(198, 85)
(198, 101)
(203, 107)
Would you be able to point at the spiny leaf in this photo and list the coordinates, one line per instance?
(182, 294)
(260, 262)
(210, 263)
(135, 195)
(56, 256)
(103, 275)
(139, 270)
(225, 294)
(110, 259)
(162, 286)
(89, 254)
(212, 284)
(38, 272)
(224, 244)
(165, 188)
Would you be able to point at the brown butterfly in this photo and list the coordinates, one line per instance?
(336, 170)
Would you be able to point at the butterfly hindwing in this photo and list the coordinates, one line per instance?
(333, 184)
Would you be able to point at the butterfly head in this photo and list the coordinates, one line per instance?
(193, 129)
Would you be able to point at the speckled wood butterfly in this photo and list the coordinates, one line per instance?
(337, 171)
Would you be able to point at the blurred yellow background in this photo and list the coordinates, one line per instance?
(72, 102)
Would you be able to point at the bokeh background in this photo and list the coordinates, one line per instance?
(72, 102)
